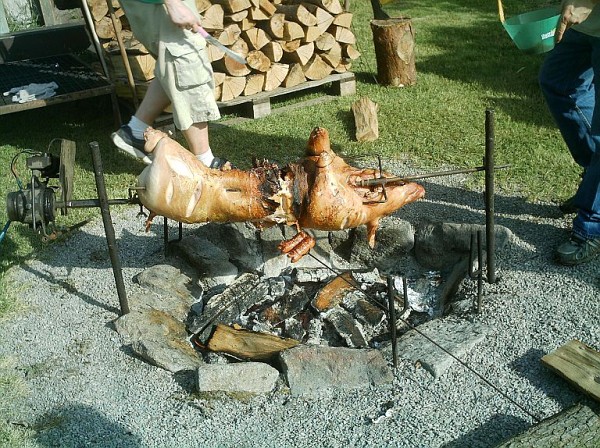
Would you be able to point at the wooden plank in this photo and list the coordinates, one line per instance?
(246, 344)
(579, 364)
(47, 7)
(578, 426)
(342, 78)
(74, 96)
(3, 22)
(44, 42)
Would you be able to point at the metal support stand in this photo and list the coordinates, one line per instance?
(109, 230)
(488, 162)
(166, 235)
(477, 273)
(392, 312)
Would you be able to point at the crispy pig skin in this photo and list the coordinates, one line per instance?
(180, 187)
(335, 202)
(318, 192)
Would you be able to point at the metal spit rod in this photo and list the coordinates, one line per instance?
(405, 179)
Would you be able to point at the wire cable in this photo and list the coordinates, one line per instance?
(461, 362)
(4, 230)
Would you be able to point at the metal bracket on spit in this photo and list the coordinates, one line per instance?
(166, 240)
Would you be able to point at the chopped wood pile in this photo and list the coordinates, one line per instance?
(285, 42)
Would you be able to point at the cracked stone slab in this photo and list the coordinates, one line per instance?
(458, 338)
(310, 370)
(244, 377)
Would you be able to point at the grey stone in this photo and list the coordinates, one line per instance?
(274, 262)
(159, 338)
(346, 327)
(21, 12)
(171, 290)
(240, 240)
(310, 370)
(458, 338)
(176, 307)
(439, 245)
(212, 262)
(174, 355)
(245, 377)
(394, 240)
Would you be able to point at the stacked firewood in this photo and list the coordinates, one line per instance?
(285, 42)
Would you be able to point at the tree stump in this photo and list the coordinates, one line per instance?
(365, 119)
(394, 41)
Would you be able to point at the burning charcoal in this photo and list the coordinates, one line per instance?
(312, 275)
(277, 287)
(351, 298)
(349, 330)
(290, 305)
(334, 292)
(244, 292)
(368, 313)
(293, 329)
(315, 332)
(251, 322)
(368, 278)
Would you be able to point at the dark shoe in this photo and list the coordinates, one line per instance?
(128, 144)
(578, 250)
(221, 164)
(568, 207)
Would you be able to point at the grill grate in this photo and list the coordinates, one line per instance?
(67, 71)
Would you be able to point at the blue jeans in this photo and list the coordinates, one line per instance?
(567, 80)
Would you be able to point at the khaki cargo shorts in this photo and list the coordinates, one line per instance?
(182, 65)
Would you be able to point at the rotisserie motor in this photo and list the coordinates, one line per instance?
(318, 192)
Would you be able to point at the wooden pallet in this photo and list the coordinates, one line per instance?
(260, 104)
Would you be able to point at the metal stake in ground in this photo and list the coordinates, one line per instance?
(392, 312)
(488, 162)
(109, 230)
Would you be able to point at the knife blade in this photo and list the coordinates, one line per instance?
(228, 51)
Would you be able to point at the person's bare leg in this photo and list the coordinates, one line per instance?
(153, 104)
(197, 138)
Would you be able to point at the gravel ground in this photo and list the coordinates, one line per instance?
(85, 389)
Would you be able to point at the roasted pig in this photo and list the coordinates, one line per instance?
(320, 192)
